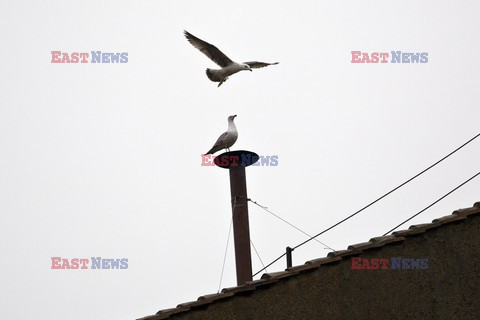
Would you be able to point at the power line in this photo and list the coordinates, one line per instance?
(416, 214)
(268, 265)
(261, 261)
(276, 216)
(375, 201)
(389, 192)
(225, 255)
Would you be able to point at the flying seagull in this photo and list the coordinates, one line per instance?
(227, 139)
(229, 67)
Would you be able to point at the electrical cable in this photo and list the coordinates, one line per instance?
(225, 255)
(427, 207)
(276, 216)
(380, 198)
(261, 261)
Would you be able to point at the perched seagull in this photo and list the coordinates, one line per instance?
(227, 139)
(229, 67)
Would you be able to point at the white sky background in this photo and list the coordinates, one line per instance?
(104, 159)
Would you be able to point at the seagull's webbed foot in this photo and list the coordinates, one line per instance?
(222, 81)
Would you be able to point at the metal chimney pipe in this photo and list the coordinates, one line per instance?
(241, 228)
(236, 161)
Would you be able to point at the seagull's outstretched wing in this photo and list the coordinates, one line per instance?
(209, 50)
(257, 64)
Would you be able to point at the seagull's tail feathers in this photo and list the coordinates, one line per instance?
(216, 76)
(214, 149)
(213, 75)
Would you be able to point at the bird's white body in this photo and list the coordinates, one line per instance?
(221, 75)
(232, 135)
(227, 139)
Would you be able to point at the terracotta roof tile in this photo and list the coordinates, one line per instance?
(468, 211)
(320, 261)
(343, 253)
(449, 218)
(239, 289)
(278, 275)
(387, 239)
(215, 296)
(164, 314)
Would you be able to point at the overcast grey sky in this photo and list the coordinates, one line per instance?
(103, 160)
